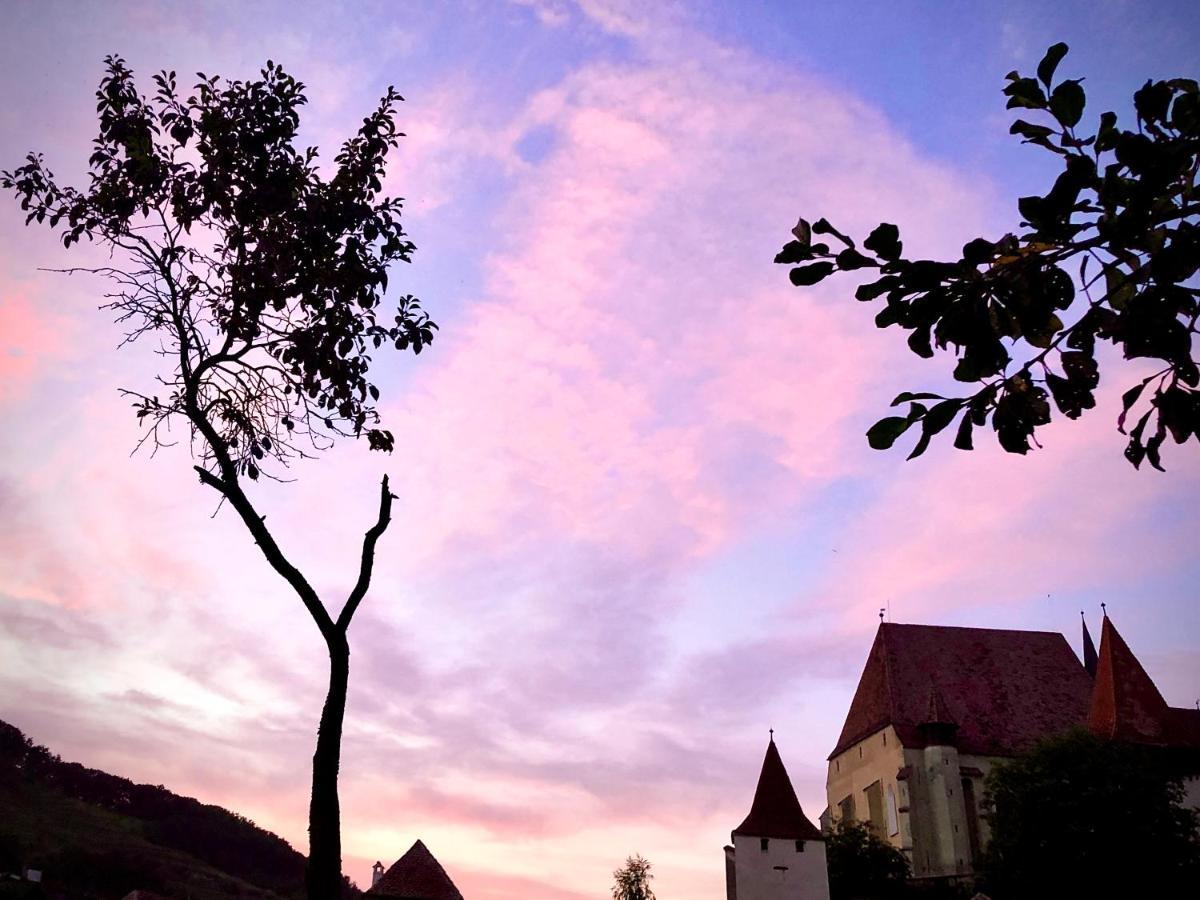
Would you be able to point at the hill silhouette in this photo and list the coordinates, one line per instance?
(96, 835)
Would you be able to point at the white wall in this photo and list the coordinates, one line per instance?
(780, 872)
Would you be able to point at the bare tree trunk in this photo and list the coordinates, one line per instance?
(324, 875)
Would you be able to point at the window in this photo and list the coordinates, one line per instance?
(799, 846)
(875, 807)
(893, 820)
(972, 811)
(885, 739)
(846, 808)
(762, 844)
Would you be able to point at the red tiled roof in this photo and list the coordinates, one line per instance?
(1005, 689)
(1126, 704)
(416, 876)
(776, 812)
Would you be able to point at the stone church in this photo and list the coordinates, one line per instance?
(936, 707)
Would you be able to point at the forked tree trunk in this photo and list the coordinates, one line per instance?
(324, 875)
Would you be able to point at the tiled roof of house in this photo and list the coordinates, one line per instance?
(1126, 704)
(1004, 689)
(416, 876)
(776, 812)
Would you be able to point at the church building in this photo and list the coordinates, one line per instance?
(777, 852)
(937, 707)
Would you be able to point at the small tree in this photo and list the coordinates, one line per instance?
(1124, 215)
(632, 881)
(260, 285)
(862, 866)
(1081, 817)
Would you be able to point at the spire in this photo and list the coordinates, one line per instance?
(1089, 649)
(1126, 705)
(939, 728)
(776, 812)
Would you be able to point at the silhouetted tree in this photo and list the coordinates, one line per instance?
(632, 880)
(261, 286)
(1123, 213)
(1081, 817)
(862, 866)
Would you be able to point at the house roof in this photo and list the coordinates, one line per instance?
(1126, 704)
(1005, 689)
(776, 812)
(416, 876)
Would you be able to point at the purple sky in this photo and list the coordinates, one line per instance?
(638, 522)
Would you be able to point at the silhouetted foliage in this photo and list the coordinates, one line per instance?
(261, 285)
(1082, 817)
(863, 866)
(632, 880)
(1123, 214)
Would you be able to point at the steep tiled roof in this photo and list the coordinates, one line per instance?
(416, 876)
(776, 812)
(1126, 705)
(1005, 689)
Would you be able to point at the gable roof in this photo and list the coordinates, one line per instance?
(416, 876)
(776, 811)
(1126, 704)
(1005, 689)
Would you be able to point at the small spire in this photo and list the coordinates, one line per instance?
(1089, 649)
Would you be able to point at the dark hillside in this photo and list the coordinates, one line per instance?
(99, 835)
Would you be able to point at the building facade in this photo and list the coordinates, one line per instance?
(937, 707)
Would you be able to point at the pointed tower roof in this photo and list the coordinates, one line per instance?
(416, 876)
(939, 713)
(1089, 649)
(776, 812)
(1126, 706)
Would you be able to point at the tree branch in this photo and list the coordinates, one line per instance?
(233, 492)
(368, 556)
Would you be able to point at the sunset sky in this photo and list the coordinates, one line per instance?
(638, 523)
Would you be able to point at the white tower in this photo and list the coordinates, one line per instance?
(777, 853)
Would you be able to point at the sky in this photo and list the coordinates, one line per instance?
(638, 523)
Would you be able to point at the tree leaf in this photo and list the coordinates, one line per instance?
(804, 276)
(883, 433)
(1050, 61)
(884, 242)
(1067, 102)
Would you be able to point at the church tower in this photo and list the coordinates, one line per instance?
(777, 853)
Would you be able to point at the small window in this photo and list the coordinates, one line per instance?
(837, 765)
(893, 820)
(762, 844)
(885, 739)
(799, 846)
(860, 751)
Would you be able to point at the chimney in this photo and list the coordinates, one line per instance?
(376, 873)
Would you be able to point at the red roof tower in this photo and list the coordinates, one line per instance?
(776, 812)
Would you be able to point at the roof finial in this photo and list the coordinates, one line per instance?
(1104, 609)
(881, 614)
(772, 731)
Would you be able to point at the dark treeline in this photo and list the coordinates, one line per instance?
(222, 839)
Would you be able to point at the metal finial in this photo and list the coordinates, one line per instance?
(881, 614)
(772, 731)
(1104, 608)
